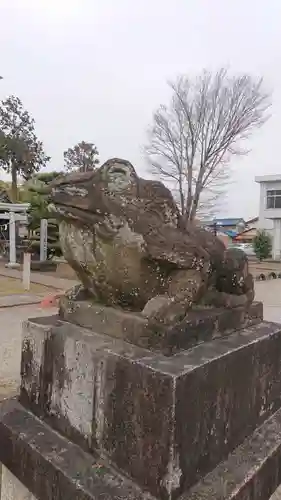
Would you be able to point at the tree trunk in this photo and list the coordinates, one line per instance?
(184, 221)
(14, 190)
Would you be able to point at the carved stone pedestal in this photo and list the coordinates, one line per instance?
(97, 415)
(200, 325)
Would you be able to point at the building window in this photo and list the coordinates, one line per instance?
(273, 199)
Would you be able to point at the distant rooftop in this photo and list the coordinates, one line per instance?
(268, 178)
(226, 222)
(230, 233)
(254, 219)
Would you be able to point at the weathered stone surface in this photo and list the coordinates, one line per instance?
(200, 325)
(91, 390)
(129, 245)
(50, 466)
(164, 421)
(252, 472)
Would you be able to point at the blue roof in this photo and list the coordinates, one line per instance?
(230, 233)
(229, 222)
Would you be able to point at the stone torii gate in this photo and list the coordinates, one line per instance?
(13, 212)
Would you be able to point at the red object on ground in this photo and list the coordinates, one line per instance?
(50, 301)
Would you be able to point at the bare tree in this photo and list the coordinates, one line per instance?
(192, 140)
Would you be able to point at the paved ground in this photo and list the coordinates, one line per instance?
(13, 286)
(269, 292)
(39, 278)
(276, 495)
(11, 319)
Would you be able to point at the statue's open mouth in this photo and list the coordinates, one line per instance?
(104, 226)
(73, 213)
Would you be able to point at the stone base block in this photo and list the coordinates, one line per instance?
(50, 466)
(200, 325)
(45, 466)
(164, 421)
(252, 472)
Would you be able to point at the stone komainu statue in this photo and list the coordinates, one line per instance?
(124, 237)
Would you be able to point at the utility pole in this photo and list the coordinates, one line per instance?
(215, 227)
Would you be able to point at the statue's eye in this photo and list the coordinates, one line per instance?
(117, 171)
(118, 178)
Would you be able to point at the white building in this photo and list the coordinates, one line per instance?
(270, 210)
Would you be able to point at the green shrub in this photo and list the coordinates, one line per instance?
(262, 245)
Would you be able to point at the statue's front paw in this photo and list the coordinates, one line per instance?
(164, 310)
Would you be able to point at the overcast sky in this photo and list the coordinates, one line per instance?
(96, 69)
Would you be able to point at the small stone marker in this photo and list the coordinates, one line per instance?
(26, 271)
(43, 239)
